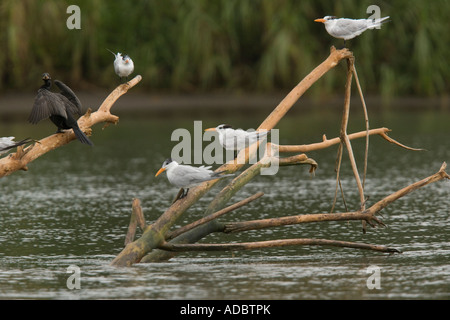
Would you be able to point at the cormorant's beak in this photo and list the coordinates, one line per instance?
(211, 129)
(320, 20)
(160, 171)
(126, 61)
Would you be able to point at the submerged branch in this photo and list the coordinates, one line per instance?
(440, 175)
(291, 220)
(137, 219)
(272, 244)
(367, 215)
(213, 216)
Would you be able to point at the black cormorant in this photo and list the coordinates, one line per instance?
(62, 108)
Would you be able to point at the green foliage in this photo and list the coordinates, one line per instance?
(223, 45)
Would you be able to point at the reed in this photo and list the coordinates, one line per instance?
(233, 45)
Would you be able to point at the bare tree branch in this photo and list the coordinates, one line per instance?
(155, 233)
(272, 244)
(20, 159)
(366, 215)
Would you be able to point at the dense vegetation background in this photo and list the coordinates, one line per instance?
(222, 45)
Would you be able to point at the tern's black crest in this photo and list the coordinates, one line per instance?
(167, 161)
(62, 108)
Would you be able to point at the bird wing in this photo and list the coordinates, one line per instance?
(46, 104)
(69, 106)
(234, 139)
(188, 176)
(70, 95)
(346, 27)
(244, 139)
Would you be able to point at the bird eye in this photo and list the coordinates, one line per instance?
(167, 161)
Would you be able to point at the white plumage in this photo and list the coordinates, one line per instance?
(347, 29)
(123, 64)
(184, 176)
(237, 139)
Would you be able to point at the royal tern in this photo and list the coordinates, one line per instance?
(347, 29)
(185, 177)
(123, 65)
(237, 139)
(61, 108)
(7, 143)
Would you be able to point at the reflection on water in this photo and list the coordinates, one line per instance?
(73, 205)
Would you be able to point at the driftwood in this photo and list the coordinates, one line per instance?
(367, 215)
(24, 155)
(158, 243)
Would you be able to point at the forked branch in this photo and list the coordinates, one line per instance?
(153, 245)
(367, 215)
(155, 234)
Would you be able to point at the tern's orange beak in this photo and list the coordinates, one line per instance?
(320, 20)
(211, 129)
(160, 171)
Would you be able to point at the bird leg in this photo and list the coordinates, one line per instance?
(181, 194)
(184, 193)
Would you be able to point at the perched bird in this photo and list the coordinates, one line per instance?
(349, 28)
(7, 143)
(62, 108)
(185, 177)
(237, 139)
(123, 65)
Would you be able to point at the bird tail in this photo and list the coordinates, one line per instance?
(21, 142)
(378, 22)
(111, 52)
(82, 137)
(16, 144)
